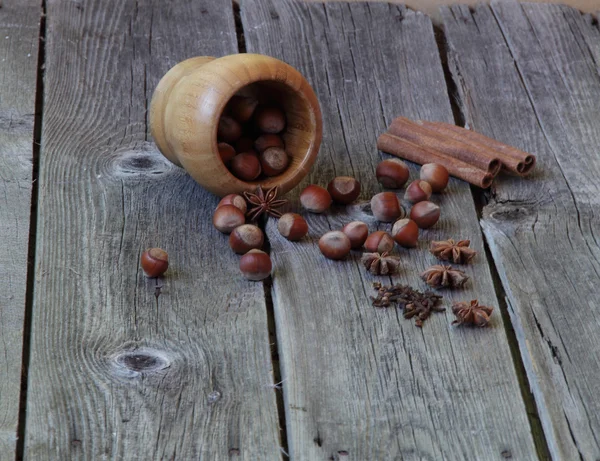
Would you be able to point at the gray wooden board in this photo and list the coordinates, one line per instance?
(529, 75)
(19, 34)
(116, 373)
(362, 383)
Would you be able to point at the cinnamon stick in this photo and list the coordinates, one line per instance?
(514, 160)
(417, 133)
(402, 148)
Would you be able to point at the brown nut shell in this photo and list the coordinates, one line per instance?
(292, 226)
(379, 242)
(436, 175)
(245, 238)
(406, 233)
(226, 152)
(242, 107)
(245, 166)
(274, 161)
(315, 199)
(418, 191)
(270, 119)
(392, 173)
(235, 200)
(228, 129)
(265, 141)
(155, 262)
(425, 214)
(344, 189)
(335, 245)
(256, 265)
(386, 206)
(228, 217)
(357, 232)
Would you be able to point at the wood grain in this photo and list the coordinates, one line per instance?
(19, 34)
(529, 76)
(362, 383)
(117, 373)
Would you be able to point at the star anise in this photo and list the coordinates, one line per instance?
(412, 301)
(456, 252)
(263, 203)
(444, 276)
(471, 313)
(380, 263)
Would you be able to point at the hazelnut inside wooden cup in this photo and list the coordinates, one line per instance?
(190, 99)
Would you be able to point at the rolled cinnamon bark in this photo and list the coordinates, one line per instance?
(402, 148)
(429, 137)
(514, 160)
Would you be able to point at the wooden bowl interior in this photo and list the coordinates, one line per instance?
(299, 134)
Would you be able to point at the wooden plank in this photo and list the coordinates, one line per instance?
(115, 372)
(528, 76)
(362, 383)
(19, 38)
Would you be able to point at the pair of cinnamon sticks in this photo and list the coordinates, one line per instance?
(467, 155)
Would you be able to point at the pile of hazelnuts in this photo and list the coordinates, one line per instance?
(249, 139)
(385, 206)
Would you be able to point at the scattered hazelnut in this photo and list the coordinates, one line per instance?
(226, 152)
(357, 232)
(436, 175)
(270, 119)
(155, 262)
(392, 173)
(256, 265)
(235, 200)
(265, 141)
(417, 191)
(335, 245)
(242, 107)
(228, 217)
(245, 238)
(315, 199)
(406, 233)
(425, 214)
(245, 166)
(274, 161)
(244, 144)
(379, 242)
(292, 226)
(386, 206)
(344, 189)
(228, 130)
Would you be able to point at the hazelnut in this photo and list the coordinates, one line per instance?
(292, 226)
(270, 119)
(380, 242)
(245, 238)
(344, 189)
(226, 152)
(436, 175)
(245, 166)
(242, 107)
(392, 173)
(417, 191)
(155, 262)
(265, 141)
(244, 144)
(228, 130)
(274, 161)
(315, 199)
(425, 214)
(335, 245)
(406, 233)
(256, 265)
(357, 232)
(228, 217)
(235, 200)
(386, 206)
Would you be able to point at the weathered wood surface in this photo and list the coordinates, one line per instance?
(115, 372)
(529, 75)
(19, 33)
(362, 383)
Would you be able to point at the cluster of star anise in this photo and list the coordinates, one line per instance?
(414, 303)
(456, 252)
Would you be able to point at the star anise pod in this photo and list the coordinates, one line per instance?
(456, 252)
(444, 276)
(471, 313)
(263, 203)
(380, 263)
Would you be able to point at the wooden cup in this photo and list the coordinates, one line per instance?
(190, 98)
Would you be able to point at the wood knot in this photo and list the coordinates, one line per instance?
(144, 161)
(141, 362)
(133, 363)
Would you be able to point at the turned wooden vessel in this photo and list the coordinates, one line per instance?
(190, 98)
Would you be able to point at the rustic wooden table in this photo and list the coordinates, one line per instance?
(94, 366)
